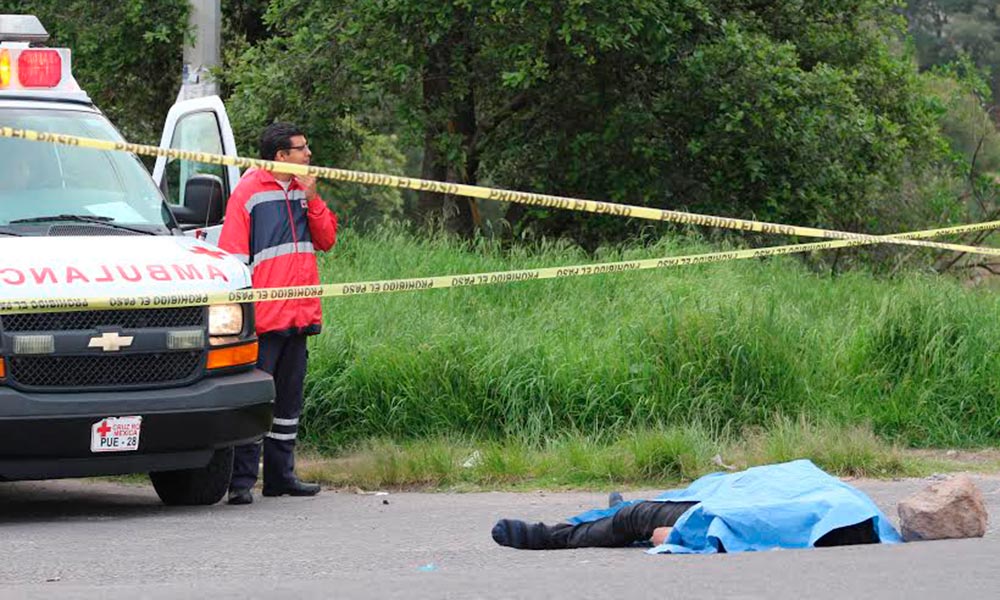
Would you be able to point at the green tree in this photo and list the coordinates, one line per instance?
(127, 55)
(289, 64)
(943, 30)
(794, 111)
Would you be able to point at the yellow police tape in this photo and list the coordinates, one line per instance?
(429, 283)
(473, 191)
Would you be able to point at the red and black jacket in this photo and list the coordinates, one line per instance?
(277, 233)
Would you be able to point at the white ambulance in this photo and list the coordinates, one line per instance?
(164, 391)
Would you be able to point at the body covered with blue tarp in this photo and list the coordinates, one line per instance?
(788, 505)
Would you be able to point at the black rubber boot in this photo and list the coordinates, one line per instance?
(521, 535)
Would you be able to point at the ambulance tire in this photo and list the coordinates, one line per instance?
(196, 487)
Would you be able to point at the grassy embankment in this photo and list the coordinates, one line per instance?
(639, 377)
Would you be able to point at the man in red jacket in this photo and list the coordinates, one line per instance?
(276, 223)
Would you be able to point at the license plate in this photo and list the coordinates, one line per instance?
(115, 434)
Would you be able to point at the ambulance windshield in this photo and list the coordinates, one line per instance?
(40, 179)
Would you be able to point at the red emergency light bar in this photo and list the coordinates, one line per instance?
(39, 68)
(35, 68)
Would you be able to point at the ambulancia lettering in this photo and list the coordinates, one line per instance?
(109, 274)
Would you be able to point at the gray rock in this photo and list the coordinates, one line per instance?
(948, 509)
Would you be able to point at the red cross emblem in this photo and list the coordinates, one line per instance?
(104, 430)
(208, 252)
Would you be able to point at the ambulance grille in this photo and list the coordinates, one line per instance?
(104, 371)
(191, 316)
(82, 230)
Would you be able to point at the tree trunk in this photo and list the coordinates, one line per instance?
(450, 110)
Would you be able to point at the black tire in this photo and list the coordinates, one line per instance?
(196, 487)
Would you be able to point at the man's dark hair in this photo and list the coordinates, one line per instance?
(277, 136)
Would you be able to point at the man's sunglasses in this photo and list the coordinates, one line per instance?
(302, 147)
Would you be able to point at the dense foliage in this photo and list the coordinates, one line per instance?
(794, 111)
(946, 30)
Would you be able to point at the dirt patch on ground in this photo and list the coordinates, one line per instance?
(985, 458)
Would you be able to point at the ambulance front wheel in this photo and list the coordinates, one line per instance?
(196, 487)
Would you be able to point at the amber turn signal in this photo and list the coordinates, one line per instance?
(4, 68)
(232, 356)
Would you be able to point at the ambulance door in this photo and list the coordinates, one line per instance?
(202, 125)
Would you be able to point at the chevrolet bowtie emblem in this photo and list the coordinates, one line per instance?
(110, 342)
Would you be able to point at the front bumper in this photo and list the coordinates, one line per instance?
(45, 436)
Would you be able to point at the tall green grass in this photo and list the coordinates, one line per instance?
(727, 347)
(647, 457)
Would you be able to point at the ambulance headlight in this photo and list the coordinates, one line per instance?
(225, 319)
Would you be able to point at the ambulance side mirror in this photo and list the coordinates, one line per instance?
(203, 202)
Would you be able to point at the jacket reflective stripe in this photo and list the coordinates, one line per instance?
(262, 197)
(274, 223)
(278, 421)
(281, 436)
(281, 250)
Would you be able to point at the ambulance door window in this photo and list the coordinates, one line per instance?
(199, 132)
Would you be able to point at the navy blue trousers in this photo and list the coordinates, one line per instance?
(284, 357)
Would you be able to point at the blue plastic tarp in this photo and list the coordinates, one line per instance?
(788, 505)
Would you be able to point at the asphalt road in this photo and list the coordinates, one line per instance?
(88, 539)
